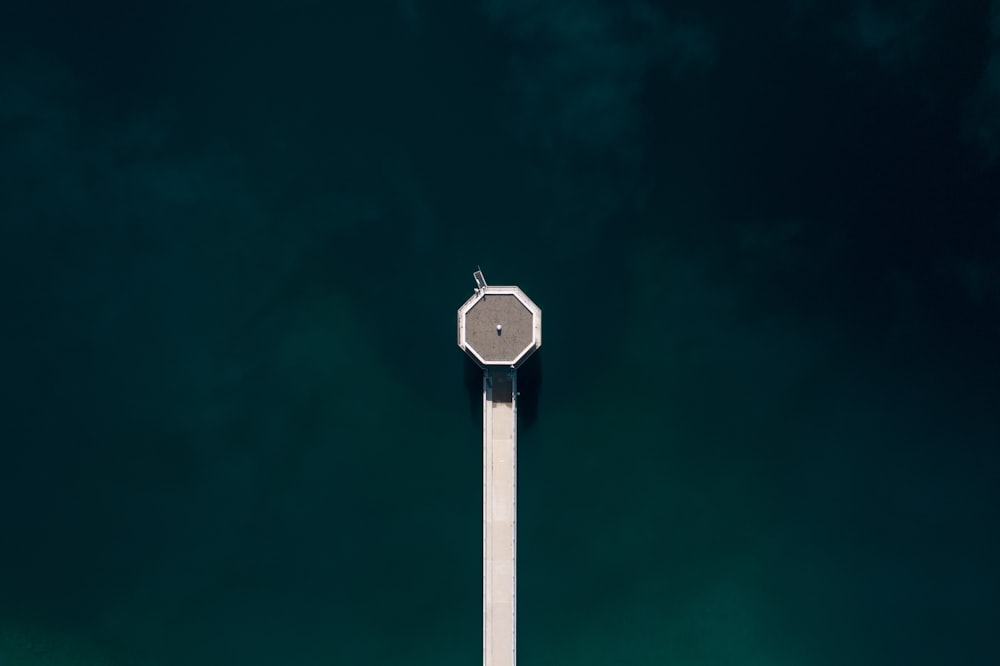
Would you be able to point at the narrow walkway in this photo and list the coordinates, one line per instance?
(499, 517)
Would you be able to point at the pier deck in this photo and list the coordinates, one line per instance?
(499, 327)
(499, 517)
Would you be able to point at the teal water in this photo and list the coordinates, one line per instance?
(236, 426)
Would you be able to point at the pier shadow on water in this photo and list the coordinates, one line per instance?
(529, 387)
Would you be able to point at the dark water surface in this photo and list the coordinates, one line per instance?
(235, 425)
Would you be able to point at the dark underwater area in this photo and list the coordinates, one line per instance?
(764, 425)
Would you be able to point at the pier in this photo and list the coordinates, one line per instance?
(499, 327)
